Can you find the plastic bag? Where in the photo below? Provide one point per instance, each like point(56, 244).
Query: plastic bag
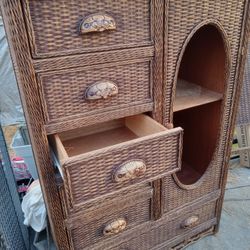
point(34, 208)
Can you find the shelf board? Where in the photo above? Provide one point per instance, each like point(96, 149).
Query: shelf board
point(190, 95)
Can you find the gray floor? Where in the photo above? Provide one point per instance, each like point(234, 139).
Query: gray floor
point(234, 231)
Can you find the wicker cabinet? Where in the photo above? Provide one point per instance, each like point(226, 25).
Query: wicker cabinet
point(131, 107)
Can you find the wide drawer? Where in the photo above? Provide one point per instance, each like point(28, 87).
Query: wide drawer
point(70, 27)
point(168, 232)
point(108, 220)
point(111, 156)
point(91, 91)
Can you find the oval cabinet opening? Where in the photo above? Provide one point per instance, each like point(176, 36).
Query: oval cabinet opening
point(198, 100)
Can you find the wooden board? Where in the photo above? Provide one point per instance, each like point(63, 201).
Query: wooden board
point(103, 139)
point(190, 95)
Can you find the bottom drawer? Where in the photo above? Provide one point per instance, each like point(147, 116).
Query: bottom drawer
point(168, 231)
point(109, 219)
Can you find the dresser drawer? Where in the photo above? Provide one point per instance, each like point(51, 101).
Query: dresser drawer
point(95, 90)
point(104, 158)
point(108, 220)
point(168, 232)
point(70, 27)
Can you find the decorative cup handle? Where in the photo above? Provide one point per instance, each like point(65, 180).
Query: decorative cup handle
point(129, 170)
point(101, 90)
point(97, 23)
point(190, 222)
point(115, 227)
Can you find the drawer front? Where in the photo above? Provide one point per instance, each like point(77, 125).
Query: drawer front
point(167, 232)
point(110, 219)
point(96, 89)
point(102, 171)
point(70, 27)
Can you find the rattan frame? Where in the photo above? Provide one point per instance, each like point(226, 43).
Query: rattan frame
point(25, 74)
point(26, 69)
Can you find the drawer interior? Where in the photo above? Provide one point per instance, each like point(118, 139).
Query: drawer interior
point(80, 141)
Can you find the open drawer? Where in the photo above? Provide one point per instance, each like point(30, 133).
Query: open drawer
point(107, 157)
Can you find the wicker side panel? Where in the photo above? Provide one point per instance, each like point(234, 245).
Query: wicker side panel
point(244, 108)
point(14, 23)
point(91, 176)
point(166, 231)
point(64, 91)
point(235, 103)
point(87, 228)
point(54, 25)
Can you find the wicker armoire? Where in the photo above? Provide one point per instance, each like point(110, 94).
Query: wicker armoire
point(131, 109)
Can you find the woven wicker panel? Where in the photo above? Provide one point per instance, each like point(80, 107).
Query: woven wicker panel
point(64, 92)
point(88, 227)
point(182, 18)
point(163, 231)
point(53, 25)
point(91, 176)
point(175, 196)
point(15, 29)
point(244, 109)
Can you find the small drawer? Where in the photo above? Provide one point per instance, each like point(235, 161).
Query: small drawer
point(108, 220)
point(76, 26)
point(91, 91)
point(107, 157)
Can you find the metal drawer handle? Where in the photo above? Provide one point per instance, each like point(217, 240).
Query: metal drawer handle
point(101, 90)
point(115, 227)
point(190, 222)
point(129, 170)
point(97, 23)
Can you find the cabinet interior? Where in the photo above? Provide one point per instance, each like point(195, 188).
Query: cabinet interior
point(198, 100)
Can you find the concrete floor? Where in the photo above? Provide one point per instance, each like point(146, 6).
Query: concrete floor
point(234, 231)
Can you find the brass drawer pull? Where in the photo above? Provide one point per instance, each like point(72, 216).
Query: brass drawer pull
point(101, 90)
point(97, 23)
point(115, 227)
point(190, 222)
point(130, 170)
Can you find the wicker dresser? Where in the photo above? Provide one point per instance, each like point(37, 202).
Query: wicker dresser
point(132, 104)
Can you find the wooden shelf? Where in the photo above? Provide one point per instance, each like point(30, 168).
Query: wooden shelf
point(190, 95)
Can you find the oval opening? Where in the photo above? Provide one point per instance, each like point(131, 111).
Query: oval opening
point(198, 101)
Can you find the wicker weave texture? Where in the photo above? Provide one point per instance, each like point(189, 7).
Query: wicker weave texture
point(16, 33)
point(152, 236)
point(88, 229)
point(244, 108)
point(182, 17)
point(91, 176)
point(175, 194)
point(64, 92)
point(53, 25)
